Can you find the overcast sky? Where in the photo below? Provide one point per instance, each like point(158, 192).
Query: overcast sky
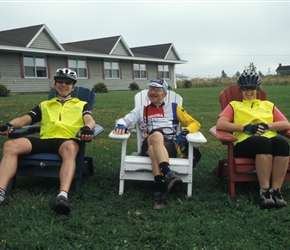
point(211, 35)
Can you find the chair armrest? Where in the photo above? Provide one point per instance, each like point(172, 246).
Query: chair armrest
point(196, 138)
point(285, 133)
point(222, 136)
point(98, 130)
point(25, 130)
point(119, 137)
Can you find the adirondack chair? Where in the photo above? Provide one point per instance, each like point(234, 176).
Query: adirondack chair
point(47, 164)
point(236, 169)
point(136, 167)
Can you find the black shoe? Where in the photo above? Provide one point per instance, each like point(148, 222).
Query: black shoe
point(159, 201)
point(266, 200)
point(61, 206)
point(173, 182)
point(3, 200)
point(277, 197)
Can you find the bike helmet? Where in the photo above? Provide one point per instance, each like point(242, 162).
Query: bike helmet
point(66, 73)
point(249, 79)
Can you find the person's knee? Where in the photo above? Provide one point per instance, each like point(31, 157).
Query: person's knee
point(12, 147)
point(69, 148)
point(156, 137)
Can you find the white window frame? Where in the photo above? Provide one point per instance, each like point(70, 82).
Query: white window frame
point(163, 71)
point(112, 70)
point(140, 71)
point(37, 67)
point(79, 66)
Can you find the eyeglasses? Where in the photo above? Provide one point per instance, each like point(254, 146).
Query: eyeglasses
point(155, 89)
point(247, 88)
point(65, 82)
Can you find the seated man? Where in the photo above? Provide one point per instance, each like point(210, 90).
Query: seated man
point(158, 122)
point(64, 121)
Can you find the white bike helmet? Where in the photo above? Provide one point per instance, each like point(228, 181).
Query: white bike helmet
point(66, 73)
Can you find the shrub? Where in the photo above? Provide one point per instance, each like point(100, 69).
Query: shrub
point(187, 84)
point(4, 91)
point(100, 87)
point(134, 86)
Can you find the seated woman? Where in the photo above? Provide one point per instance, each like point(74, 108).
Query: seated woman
point(255, 124)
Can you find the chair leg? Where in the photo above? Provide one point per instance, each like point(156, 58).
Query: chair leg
point(78, 184)
point(121, 187)
point(232, 188)
point(189, 190)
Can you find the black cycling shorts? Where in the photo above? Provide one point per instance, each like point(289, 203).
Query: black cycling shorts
point(47, 145)
point(276, 146)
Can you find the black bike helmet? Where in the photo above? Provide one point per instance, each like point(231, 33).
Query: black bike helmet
point(249, 79)
point(66, 73)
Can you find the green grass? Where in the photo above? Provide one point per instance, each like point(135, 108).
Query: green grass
point(101, 219)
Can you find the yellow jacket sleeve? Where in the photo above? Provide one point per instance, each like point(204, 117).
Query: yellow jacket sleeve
point(186, 120)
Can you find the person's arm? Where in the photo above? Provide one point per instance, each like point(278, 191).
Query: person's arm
point(15, 123)
point(89, 121)
point(280, 122)
point(224, 124)
point(127, 122)
point(86, 133)
point(187, 120)
point(225, 119)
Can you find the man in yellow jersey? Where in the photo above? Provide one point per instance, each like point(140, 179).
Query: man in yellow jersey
point(61, 119)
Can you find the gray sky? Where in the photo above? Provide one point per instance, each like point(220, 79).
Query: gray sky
point(211, 35)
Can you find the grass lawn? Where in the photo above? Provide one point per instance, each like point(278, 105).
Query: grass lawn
point(101, 219)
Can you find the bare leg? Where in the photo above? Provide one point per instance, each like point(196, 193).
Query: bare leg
point(68, 151)
point(280, 166)
point(8, 166)
point(157, 151)
point(264, 169)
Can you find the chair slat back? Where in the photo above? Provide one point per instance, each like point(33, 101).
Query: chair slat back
point(141, 99)
point(232, 93)
point(84, 94)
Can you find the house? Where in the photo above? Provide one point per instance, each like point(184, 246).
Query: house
point(29, 57)
point(283, 70)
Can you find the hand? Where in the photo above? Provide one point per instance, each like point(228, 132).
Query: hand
point(6, 129)
point(181, 138)
point(254, 129)
point(265, 127)
point(120, 129)
point(86, 133)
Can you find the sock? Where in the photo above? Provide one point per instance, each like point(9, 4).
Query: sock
point(159, 183)
point(164, 167)
point(2, 192)
point(63, 193)
point(264, 190)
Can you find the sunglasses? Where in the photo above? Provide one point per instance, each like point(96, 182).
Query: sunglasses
point(247, 88)
point(65, 82)
point(155, 89)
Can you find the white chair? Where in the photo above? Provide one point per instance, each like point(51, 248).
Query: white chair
point(136, 167)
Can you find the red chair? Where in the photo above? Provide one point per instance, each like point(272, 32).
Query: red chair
point(236, 169)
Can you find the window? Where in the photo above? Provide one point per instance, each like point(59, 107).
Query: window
point(140, 70)
point(163, 71)
point(79, 66)
point(112, 70)
point(34, 66)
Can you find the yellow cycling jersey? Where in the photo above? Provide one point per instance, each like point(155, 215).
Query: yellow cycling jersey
point(61, 121)
point(252, 112)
